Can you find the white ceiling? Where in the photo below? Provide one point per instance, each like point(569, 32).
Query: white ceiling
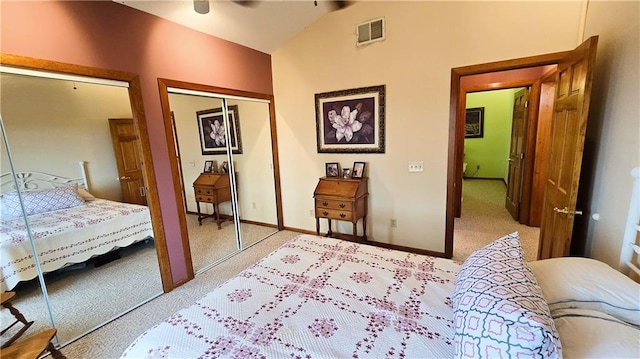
point(265, 26)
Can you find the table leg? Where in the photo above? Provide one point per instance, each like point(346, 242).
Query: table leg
point(199, 215)
point(364, 227)
point(355, 228)
point(318, 226)
point(216, 212)
point(329, 233)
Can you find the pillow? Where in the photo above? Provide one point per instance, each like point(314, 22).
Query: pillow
point(592, 334)
point(86, 196)
point(499, 309)
point(40, 201)
point(574, 282)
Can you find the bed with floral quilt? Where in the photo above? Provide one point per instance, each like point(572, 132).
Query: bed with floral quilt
point(68, 226)
point(318, 297)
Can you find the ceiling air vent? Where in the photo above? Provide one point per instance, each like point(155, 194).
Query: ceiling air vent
point(370, 31)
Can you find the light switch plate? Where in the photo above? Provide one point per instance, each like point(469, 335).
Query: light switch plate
point(416, 166)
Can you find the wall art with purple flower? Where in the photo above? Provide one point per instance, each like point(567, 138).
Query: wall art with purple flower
point(213, 139)
point(351, 120)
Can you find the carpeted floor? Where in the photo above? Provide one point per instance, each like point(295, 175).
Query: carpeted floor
point(484, 218)
point(124, 330)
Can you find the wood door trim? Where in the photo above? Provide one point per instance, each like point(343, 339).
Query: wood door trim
point(456, 129)
point(163, 85)
point(140, 122)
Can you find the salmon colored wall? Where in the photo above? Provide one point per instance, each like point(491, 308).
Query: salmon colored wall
point(108, 35)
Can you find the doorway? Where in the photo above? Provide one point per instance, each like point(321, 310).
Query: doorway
point(563, 145)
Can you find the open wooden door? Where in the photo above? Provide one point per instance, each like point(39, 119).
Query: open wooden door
point(568, 126)
point(516, 152)
point(126, 147)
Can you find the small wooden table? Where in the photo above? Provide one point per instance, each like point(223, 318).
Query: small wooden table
point(343, 199)
point(212, 188)
point(33, 346)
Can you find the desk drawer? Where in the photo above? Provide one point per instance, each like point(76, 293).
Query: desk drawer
point(334, 204)
point(208, 199)
point(203, 191)
point(334, 214)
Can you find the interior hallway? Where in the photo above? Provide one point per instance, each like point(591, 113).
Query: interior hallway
point(485, 218)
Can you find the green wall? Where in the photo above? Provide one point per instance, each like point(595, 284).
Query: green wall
point(491, 151)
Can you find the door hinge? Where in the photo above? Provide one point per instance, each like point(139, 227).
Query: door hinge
point(522, 156)
point(526, 104)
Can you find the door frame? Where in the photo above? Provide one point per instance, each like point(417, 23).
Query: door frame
point(457, 107)
point(163, 85)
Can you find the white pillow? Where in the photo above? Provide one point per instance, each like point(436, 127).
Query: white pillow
point(592, 334)
point(498, 308)
point(88, 197)
point(40, 201)
point(575, 282)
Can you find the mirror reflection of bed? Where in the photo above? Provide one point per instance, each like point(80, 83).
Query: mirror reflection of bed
point(61, 127)
point(252, 164)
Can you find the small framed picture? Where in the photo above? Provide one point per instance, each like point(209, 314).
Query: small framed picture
point(208, 167)
point(345, 172)
point(224, 167)
point(332, 169)
point(358, 170)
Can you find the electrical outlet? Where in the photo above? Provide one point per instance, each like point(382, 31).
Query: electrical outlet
point(416, 166)
point(394, 223)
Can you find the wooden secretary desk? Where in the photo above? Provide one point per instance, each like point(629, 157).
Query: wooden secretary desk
point(343, 199)
point(213, 188)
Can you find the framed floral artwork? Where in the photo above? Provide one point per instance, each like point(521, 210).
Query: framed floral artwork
point(351, 121)
point(213, 140)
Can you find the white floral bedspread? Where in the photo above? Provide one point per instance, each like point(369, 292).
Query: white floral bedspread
point(71, 235)
point(317, 297)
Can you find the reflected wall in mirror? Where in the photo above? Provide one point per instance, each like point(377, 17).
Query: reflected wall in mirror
point(253, 170)
point(98, 255)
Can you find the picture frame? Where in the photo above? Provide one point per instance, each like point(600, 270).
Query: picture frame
point(212, 132)
point(345, 172)
point(224, 167)
point(474, 123)
point(351, 121)
point(332, 169)
point(358, 170)
point(208, 166)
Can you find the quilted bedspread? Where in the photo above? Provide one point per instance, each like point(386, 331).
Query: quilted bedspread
point(71, 235)
point(317, 297)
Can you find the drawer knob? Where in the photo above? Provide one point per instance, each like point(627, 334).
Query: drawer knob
point(342, 205)
point(342, 215)
point(325, 203)
point(325, 213)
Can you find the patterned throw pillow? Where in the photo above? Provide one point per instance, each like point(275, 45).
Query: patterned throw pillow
point(499, 310)
point(40, 201)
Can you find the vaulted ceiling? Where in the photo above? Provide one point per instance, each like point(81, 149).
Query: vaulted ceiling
point(265, 26)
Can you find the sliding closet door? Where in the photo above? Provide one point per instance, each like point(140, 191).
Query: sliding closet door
point(254, 170)
point(93, 273)
point(15, 242)
point(204, 164)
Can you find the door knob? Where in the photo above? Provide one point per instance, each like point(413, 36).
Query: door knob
point(125, 178)
point(566, 210)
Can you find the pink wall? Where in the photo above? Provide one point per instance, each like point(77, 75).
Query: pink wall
point(108, 35)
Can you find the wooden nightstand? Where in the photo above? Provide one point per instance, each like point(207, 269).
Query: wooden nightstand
point(212, 188)
point(342, 199)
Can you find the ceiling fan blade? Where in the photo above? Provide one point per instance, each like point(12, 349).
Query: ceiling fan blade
point(339, 4)
point(247, 3)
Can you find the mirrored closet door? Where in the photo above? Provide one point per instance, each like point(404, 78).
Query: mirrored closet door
point(228, 185)
point(76, 155)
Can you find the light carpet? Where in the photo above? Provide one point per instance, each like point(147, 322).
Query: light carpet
point(484, 219)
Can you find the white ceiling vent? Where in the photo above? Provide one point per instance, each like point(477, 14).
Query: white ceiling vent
point(370, 31)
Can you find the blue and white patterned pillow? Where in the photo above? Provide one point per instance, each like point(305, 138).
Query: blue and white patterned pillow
point(499, 309)
point(40, 201)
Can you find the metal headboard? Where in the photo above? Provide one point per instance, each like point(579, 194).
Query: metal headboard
point(30, 181)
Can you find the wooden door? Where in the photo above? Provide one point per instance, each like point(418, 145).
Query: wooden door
point(126, 147)
point(568, 126)
point(516, 152)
